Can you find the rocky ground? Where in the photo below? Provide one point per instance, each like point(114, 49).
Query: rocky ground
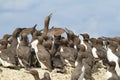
point(10, 74)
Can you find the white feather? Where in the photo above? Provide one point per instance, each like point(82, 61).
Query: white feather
point(75, 46)
point(94, 52)
point(81, 77)
point(5, 63)
point(42, 65)
point(82, 42)
point(117, 68)
point(108, 74)
point(76, 63)
point(34, 45)
point(18, 39)
point(112, 57)
point(68, 63)
point(83, 69)
point(20, 61)
point(61, 49)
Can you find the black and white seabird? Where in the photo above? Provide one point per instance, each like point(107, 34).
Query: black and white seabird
point(111, 55)
point(111, 73)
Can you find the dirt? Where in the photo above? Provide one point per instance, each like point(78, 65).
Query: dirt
point(10, 74)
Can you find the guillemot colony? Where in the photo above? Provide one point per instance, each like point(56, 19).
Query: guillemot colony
point(49, 49)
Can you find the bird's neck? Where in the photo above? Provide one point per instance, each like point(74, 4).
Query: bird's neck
point(36, 77)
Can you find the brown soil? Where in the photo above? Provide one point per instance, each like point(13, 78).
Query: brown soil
point(10, 74)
